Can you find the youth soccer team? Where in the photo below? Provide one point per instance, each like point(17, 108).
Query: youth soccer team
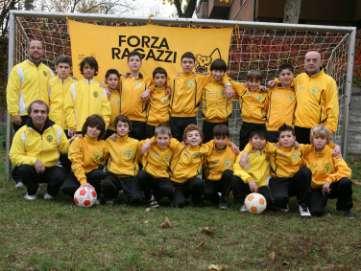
point(139, 142)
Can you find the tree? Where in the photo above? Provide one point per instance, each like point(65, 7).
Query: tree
point(185, 8)
point(292, 10)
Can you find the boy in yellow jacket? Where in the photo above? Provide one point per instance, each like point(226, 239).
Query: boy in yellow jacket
point(86, 97)
point(281, 102)
point(254, 176)
point(330, 174)
point(216, 106)
point(112, 79)
point(122, 165)
point(218, 165)
point(35, 152)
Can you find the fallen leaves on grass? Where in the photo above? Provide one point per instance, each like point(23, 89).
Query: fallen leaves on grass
point(272, 256)
point(166, 223)
point(207, 231)
point(216, 267)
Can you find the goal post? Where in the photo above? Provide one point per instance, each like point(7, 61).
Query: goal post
point(254, 45)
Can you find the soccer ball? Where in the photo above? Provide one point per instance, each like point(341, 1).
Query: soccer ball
point(85, 196)
point(255, 203)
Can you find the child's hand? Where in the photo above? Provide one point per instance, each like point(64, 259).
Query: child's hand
point(326, 188)
point(263, 88)
point(88, 185)
point(337, 151)
point(234, 148)
point(243, 161)
point(74, 136)
point(145, 95)
point(253, 186)
point(146, 146)
point(228, 91)
point(113, 137)
point(271, 83)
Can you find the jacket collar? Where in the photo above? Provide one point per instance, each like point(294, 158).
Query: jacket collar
point(48, 123)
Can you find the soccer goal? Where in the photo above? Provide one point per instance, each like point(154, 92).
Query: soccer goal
point(254, 45)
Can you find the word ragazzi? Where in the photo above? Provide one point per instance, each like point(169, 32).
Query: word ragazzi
point(149, 47)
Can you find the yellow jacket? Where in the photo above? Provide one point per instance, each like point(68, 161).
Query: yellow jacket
point(281, 107)
point(114, 100)
point(157, 161)
point(29, 145)
point(216, 107)
point(57, 92)
point(217, 161)
point(158, 107)
point(27, 82)
point(86, 97)
point(258, 171)
point(124, 154)
point(317, 101)
point(187, 161)
point(325, 167)
point(253, 104)
point(131, 104)
point(86, 154)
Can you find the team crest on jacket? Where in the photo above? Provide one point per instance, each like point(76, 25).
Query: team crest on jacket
point(128, 154)
point(49, 138)
point(45, 73)
point(95, 94)
point(190, 83)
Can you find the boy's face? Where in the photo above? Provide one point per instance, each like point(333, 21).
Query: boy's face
point(88, 72)
point(286, 139)
point(62, 70)
point(220, 142)
point(112, 81)
point(253, 84)
point(257, 142)
point(160, 79)
point(319, 142)
point(92, 132)
point(122, 128)
point(217, 75)
point(187, 64)
point(134, 63)
point(162, 140)
point(193, 138)
point(286, 77)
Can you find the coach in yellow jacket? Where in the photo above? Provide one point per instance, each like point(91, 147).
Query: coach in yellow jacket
point(28, 81)
point(35, 152)
point(317, 98)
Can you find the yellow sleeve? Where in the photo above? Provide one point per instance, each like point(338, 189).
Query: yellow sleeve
point(206, 148)
point(69, 108)
point(174, 144)
point(106, 109)
point(76, 156)
point(64, 143)
point(331, 106)
point(241, 172)
point(12, 93)
point(202, 80)
point(239, 88)
point(17, 153)
point(342, 170)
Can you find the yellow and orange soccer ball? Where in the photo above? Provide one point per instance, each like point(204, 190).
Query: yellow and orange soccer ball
point(255, 203)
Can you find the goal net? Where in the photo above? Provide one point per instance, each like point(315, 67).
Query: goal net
point(261, 46)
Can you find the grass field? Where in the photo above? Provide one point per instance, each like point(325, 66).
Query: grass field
point(56, 235)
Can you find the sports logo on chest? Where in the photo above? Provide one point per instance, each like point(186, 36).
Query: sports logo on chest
point(190, 84)
point(295, 157)
point(314, 91)
point(49, 138)
point(128, 154)
point(98, 157)
point(138, 86)
point(95, 94)
point(227, 163)
point(328, 168)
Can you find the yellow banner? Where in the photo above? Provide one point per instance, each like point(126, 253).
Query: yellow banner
point(160, 45)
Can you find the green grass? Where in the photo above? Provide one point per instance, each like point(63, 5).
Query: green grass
point(56, 235)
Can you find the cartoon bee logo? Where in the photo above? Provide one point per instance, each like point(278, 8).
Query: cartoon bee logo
point(203, 62)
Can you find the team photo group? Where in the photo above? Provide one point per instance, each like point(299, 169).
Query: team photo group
point(134, 139)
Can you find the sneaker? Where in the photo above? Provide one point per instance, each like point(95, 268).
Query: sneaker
point(223, 205)
point(153, 204)
point(243, 209)
point(304, 212)
point(19, 185)
point(285, 210)
point(348, 214)
point(47, 196)
point(30, 197)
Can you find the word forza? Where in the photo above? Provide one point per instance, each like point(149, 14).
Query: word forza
point(149, 47)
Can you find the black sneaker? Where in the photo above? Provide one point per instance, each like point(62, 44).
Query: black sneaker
point(348, 214)
point(223, 205)
point(153, 204)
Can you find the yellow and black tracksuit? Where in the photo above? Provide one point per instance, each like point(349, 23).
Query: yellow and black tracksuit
point(328, 168)
point(86, 97)
point(114, 100)
point(57, 92)
point(30, 145)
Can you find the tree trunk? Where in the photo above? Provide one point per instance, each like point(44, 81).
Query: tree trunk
point(292, 10)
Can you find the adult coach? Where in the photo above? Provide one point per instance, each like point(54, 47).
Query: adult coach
point(35, 152)
point(317, 98)
point(28, 81)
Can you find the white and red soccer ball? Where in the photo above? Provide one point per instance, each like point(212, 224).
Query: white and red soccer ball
point(85, 196)
point(255, 203)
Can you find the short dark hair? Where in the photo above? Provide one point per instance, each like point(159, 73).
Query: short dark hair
point(159, 70)
point(286, 66)
point(220, 131)
point(189, 128)
point(63, 59)
point(219, 65)
point(91, 61)
point(38, 102)
point(122, 118)
point(286, 128)
point(94, 121)
point(134, 53)
point(162, 129)
point(188, 55)
point(254, 74)
point(261, 133)
point(112, 71)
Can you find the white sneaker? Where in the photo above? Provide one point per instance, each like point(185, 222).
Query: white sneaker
point(30, 197)
point(243, 209)
point(19, 185)
point(47, 196)
point(304, 212)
